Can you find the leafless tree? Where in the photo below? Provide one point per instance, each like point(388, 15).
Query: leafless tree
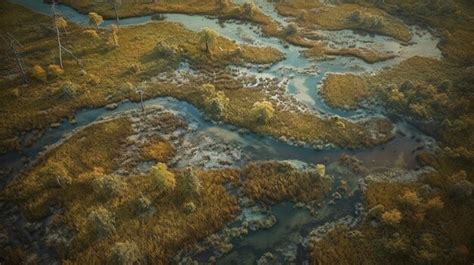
point(60, 22)
point(116, 5)
point(14, 45)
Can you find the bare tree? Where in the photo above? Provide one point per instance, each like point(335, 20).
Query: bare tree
point(60, 22)
point(14, 44)
point(116, 5)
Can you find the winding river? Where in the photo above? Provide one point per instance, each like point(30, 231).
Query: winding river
point(304, 77)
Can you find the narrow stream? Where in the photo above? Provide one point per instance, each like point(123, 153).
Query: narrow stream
point(304, 77)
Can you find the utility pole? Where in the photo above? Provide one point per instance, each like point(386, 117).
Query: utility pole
point(13, 46)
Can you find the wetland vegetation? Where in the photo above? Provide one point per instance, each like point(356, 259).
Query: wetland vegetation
point(236, 132)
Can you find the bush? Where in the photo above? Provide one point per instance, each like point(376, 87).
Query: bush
point(55, 70)
point(445, 85)
point(101, 222)
point(321, 170)
point(39, 73)
point(216, 105)
point(354, 17)
point(92, 33)
point(190, 184)
point(125, 253)
point(108, 186)
point(189, 207)
point(95, 19)
point(392, 217)
point(376, 212)
point(262, 111)
point(461, 190)
point(410, 199)
point(162, 178)
point(291, 29)
point(143, 206)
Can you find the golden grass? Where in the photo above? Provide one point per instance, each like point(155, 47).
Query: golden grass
point(274, 181)
point(91, 154)
point(315, 14)
point(344, 91)
point(108, 69)
point(426, 233)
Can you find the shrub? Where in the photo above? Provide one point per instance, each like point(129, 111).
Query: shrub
point(435, 203)
point(461, 190)
point(376, 212)
point(61, 23)
point(39, 73)
point(392, 217)
point(92, 33)
point(249, 9)
point(55, 70)
point(126, 253)
point(189, 207)
point(143, 206)
point(291, 29)
point(262, 111)
point(216, 105)
point(410, 199)
point(95, 19)
point(101, 222)
point(190, 184)
point(445, 85)
point(108, 186)
point(208, 90)
point(162, 178)
point(207, 39)
point(321, 170)
point(354, 17)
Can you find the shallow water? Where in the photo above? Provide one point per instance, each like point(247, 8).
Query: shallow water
point(304, 78)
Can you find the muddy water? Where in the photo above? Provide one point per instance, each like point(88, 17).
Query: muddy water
point(304, 77)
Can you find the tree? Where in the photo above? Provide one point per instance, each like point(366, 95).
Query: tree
point(14, 45)
point(207, 37)
point(95, 20)
point(217, 104)
point(162, 178)
point(262, 111)
point(116, 5)
point(60, 22)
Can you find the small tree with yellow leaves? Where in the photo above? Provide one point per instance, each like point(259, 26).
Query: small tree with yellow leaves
point(162, 178)
point(262, 111)
point(95, 20)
